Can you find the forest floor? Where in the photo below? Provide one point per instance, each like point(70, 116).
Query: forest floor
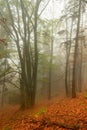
point(63, 114)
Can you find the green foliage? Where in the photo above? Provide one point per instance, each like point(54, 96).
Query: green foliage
point(43, 110)
point(4, 53)
point(44, 79)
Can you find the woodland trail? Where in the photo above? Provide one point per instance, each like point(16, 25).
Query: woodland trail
point(66, 114)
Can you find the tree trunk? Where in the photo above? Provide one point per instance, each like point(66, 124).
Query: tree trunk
point(66, 77)
point(80, 73)
point(76, 55)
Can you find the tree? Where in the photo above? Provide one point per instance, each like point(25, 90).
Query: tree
point(73, 43)
point(23, 30)
point(76, 53)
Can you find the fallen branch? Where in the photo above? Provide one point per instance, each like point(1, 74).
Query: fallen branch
point(49, 123)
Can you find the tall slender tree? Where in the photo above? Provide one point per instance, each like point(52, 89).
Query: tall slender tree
point(74, 86)
point(23, 30)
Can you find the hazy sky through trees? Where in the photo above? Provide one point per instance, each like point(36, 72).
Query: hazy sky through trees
point(55, 6)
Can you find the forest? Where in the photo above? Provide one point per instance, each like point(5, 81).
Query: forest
point(43, 61)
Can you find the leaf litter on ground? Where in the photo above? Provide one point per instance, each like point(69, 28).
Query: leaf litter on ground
point(66, 114)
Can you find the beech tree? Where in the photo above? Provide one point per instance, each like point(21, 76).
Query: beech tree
point(22, 27)
point(73, 41)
